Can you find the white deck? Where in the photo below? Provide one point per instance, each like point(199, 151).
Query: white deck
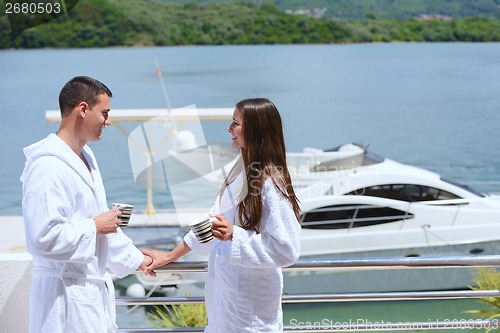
point(137, 115)
point(12, 237)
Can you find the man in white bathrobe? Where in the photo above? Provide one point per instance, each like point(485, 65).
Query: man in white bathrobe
point(73, 236)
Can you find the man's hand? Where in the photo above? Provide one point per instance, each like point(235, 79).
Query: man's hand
point(107, 222)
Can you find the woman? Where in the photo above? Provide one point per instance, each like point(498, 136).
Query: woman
point(257, 229)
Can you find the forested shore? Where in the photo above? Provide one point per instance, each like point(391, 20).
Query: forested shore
point(104, 23)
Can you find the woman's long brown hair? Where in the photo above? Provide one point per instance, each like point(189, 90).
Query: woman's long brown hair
point(264, 156)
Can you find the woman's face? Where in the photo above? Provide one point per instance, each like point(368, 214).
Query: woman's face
point(236, 129)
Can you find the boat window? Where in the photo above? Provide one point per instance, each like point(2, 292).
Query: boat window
point(405, 192)
point(351, 216)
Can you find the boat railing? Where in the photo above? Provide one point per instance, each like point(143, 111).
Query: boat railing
point(347, 263)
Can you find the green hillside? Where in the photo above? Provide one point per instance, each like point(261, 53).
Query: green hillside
point(390, 9)
point(399, 9)
point(101, 23)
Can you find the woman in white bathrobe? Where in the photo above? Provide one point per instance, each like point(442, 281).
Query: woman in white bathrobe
point(257, 230)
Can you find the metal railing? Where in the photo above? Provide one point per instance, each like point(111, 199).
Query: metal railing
point(329, 264)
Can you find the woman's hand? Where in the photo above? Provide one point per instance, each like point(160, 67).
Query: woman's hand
point(160, 259)
point(221, 228)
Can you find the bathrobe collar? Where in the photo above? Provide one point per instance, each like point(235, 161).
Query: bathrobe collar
point(54, 146)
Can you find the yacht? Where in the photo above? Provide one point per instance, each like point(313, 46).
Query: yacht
point(356, 204)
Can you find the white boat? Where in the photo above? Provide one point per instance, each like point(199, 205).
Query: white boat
point(363, 205)
point(357, 204)
point(379, 205)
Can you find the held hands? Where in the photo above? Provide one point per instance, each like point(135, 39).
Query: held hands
point(164, 258)
point(158, 259)
point(145, 263)
point(222, 229)
point(107, 223)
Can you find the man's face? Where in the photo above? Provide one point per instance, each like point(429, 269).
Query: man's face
point(96, 118)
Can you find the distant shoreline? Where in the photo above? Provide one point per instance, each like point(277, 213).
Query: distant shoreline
point(229, 45)
point(125, 23)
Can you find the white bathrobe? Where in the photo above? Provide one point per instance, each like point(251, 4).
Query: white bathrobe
point(71, 291)
point(244, 281)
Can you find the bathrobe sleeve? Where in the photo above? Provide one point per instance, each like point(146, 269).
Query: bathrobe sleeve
point(278, 243)
point(199, 248)
point(49, 231)
point(123, 256)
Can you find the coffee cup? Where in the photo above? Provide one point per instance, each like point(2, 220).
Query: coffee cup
point(202, 229)
point(126, 211)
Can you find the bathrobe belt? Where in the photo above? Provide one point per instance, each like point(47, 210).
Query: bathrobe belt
point(67, 275)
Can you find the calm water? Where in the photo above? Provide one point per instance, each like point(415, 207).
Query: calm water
point(430, 105)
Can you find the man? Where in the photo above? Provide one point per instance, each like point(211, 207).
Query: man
point(73, 236)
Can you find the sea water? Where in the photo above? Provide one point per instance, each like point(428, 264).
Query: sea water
point(430, 105)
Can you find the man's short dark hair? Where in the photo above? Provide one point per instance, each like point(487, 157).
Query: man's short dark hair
point(81, 89)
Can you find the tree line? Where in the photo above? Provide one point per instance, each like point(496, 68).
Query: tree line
point(104, 23)
point(394, 9)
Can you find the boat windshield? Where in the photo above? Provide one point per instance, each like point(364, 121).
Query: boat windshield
point(350, 162)
point(464, 187)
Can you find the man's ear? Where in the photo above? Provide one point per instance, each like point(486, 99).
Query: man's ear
point(83, 107)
